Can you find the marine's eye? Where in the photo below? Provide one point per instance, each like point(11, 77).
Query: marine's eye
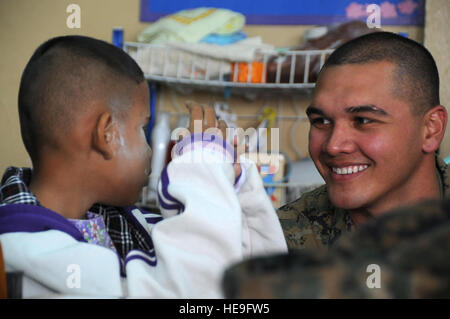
point(319, 121)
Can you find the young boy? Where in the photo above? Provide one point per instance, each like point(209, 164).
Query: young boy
point(68, 224)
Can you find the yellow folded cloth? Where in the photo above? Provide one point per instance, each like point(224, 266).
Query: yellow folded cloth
point(190, 26)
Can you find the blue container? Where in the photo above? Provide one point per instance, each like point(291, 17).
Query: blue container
point(117, 37)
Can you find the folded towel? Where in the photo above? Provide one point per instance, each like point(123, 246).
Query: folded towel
point(190, 26)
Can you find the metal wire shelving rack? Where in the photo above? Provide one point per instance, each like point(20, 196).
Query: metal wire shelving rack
point(175, 67)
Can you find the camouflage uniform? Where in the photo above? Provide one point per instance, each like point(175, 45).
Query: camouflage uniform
point(313, 222)
point(410, 245)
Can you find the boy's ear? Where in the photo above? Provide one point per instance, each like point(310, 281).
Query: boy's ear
point(435, 122)
point(104, 135)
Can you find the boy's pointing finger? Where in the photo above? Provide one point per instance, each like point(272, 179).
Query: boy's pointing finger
point(196, 114)
point(210, 117)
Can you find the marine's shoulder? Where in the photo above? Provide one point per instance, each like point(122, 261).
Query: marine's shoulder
point(306, 221)
point(309, 204)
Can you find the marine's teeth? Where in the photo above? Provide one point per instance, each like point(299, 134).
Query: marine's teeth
point(349, 169)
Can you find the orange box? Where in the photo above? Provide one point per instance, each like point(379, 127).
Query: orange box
point(256, 75)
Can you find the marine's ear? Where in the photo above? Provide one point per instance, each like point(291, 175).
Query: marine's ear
point(435, 122)
point(104, 135)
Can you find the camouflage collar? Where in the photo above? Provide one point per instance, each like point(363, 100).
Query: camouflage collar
point(444, 181)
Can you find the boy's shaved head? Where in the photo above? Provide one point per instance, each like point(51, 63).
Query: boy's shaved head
point(66, 76)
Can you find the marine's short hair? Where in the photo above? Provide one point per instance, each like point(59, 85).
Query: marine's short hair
point(64, 77)
point(416, 75)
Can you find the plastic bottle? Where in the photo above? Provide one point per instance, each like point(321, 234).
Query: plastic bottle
point(117, 37)
point(160, 143)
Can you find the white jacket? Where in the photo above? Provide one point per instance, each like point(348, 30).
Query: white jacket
point(207, 226)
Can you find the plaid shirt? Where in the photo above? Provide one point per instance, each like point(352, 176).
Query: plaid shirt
point(123, 230)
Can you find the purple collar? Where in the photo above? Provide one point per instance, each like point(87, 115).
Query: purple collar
point(31, 218)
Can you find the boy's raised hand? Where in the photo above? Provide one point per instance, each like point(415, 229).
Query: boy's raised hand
point(206, 116)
